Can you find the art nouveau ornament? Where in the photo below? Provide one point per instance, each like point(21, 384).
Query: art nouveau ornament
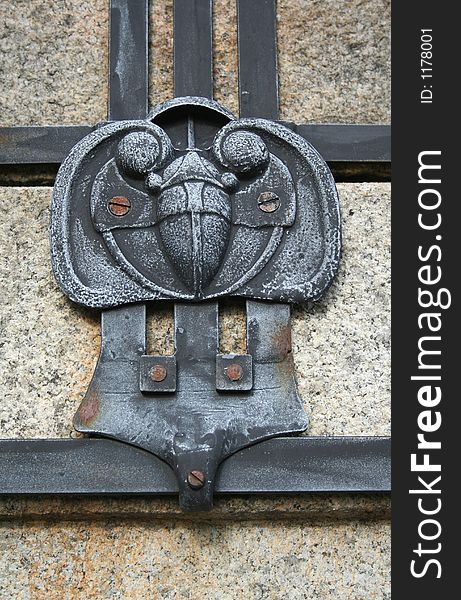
point(191, 205)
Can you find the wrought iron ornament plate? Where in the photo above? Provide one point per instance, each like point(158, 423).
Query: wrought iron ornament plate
point(192, 204)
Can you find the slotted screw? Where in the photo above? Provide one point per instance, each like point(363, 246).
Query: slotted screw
point(119, 206)
point(196, 479)
point(234, 372)
point(268, 202)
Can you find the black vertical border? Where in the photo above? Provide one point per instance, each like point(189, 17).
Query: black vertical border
point(418, 127)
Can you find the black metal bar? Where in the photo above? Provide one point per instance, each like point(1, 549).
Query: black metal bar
point(128, 59)
point(39, 145)
point(257, 58)
point(281, 465)
point(336, 143)
point(349, 143)
point(193, 53)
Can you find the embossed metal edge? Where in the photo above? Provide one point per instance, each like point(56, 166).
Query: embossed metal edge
point(188, 101)
point(60, 259)
point(326, 186)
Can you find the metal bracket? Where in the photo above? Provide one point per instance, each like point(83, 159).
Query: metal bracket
point(192, 204)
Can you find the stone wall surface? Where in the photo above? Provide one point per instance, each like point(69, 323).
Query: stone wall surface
point(272, 560)
point(334, 66)
point(334, 59)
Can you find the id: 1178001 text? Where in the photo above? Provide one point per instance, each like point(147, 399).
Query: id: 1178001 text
point(426, 65)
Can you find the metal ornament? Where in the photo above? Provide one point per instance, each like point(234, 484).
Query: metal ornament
point(192, 204)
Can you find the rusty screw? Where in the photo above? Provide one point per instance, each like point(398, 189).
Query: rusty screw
point(234, 372)
point(119, 206)
point(268, 202)
point(196, 479)
point(158, 373)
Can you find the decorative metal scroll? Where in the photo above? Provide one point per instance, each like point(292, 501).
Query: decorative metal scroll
point(192, 204)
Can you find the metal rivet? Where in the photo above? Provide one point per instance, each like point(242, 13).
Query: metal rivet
point(158, 373)
point(119, 206)
point(234, 372)
point(196, 479)
point(268, 202)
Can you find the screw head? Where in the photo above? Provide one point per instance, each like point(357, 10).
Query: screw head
point(158, 373)
point(119, 206)
point(268, 202)
point(234, 372)
point(196, 479)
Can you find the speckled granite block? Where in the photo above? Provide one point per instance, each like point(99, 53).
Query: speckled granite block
point(333, 59)
point(50, 347)
point(225, 60)
point(160, 51)
point(342, 344)
point(53, 61)
point(254, 561)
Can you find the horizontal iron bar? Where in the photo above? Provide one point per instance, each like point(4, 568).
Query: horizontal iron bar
point(280, 465)
point(39, 145)
point(349, 143)
point(336, 143)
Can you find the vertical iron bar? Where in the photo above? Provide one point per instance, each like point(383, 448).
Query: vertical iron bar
point(123, 342)
point(193, 53)
point(257, 58)
point(128, 59)
point(128, 99)
point(193, 76)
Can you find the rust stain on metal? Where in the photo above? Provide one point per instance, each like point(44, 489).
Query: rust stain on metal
point(89, 408)
point(5, 138)
point(282, 339)
point(158, 373)
point(119, 206)
point(234, 372)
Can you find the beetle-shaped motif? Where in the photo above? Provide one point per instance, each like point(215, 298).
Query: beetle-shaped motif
point(193, 204)
point(194, 212)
